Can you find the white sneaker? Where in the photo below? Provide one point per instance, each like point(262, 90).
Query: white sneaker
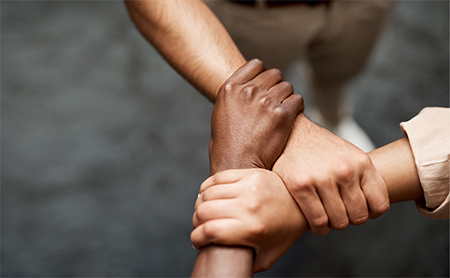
point(347, 128)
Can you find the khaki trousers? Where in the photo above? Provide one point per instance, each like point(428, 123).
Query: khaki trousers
point(336, 40)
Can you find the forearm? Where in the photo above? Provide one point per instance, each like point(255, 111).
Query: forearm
point(191, 38)
point(396, 164)
point(221, 261)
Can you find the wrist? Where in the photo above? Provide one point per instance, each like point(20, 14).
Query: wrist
point(219, 166)
point(303, 129)
point(224, 261)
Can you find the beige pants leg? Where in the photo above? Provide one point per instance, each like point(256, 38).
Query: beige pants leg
point(337, 39)
point(277, 36)
point(342, 50)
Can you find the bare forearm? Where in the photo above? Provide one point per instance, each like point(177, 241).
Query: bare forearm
point(395, 162)
point(221, 261)
point(191, 38)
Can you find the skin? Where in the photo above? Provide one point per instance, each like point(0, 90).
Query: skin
point(190, 37)
point(396, 164)
point(334, 182)
point(252, 207)
point(248, 207)
point(194, 42)
point(267, 108)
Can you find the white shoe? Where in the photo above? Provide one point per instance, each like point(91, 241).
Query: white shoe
point(347, 128)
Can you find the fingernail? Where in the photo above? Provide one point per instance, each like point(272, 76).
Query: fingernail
point(193, 247)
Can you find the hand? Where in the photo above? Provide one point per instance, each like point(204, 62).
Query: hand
point(252, 118)
point(250, 208)
point(333, 181)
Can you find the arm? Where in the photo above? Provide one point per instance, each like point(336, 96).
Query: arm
point(191, 38)
point(264, 211)
point(273, 107)
point(334, 182)
point(395, 162)
point(195, 43)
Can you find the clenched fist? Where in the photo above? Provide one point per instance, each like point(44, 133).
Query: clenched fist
point(249, 207)
point(333, 182)
point(252, 118)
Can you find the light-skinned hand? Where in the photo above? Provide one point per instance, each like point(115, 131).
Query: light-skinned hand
point(251, 208)
point(334, 182)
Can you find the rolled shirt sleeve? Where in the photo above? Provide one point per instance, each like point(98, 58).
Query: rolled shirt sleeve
point(429, 136)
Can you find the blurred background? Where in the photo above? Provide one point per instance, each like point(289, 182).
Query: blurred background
point(104, 147)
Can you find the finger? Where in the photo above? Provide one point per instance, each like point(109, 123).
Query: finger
point(294, 104)
point(224, 177)
point(334, 207)
point(247, 72)
point(221, 191)
point(281, 91)
point(312, 207)
point(269, 78)
point(355, 202)
point(198, 201)
point(375, 191)
point(216, 209)
point(220, 231)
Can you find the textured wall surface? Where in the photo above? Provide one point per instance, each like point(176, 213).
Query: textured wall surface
point(104, 146)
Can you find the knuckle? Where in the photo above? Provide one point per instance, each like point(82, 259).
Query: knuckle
point(302, 184)
point(253, 205)
point(201, 211)
point(384, 207)
point(265, 101)
point(280, 113)
point(205, 195)
point(322, 232)
point(204, 186)
point(299, 101)
point(257, 62)
point(341, 225)
point(320, 222)
point(257, 175)
point(249, 91)
point(288, 86)
point(194, 221)
point(218, 177)
point(380, 209)
point(228, 88)
point(276, 71)
point(360, 220)
point(363, 160)
point(345, 172)
point(210, 230)
point(194, 239)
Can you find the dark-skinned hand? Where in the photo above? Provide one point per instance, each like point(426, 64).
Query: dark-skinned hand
point(252, 118)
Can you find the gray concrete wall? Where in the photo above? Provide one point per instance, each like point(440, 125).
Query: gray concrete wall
point(104, 147)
